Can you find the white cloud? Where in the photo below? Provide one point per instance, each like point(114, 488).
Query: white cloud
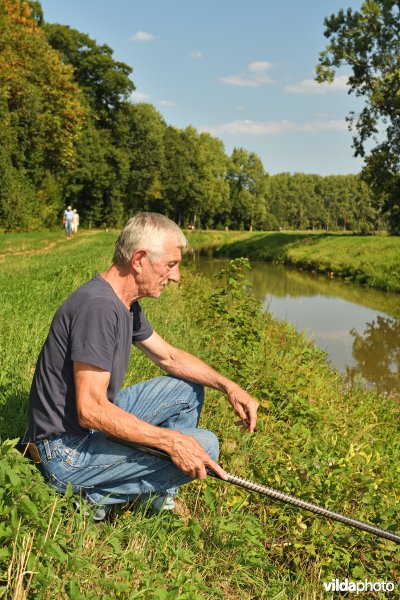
point(247, 127)
point(142, 36)
point(256, 78)
point(166, 103)
point(259, 66)
point(139, 97)
point(310, 86)
point(196, 55)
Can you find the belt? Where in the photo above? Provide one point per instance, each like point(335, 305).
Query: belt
point(33, 452)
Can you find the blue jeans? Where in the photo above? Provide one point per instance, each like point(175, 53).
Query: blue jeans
point(68, 228)
point(107, 472)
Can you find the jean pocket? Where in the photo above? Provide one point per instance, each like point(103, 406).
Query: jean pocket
point(69, 447)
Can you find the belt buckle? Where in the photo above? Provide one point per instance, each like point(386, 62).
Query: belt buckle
point(34, 453)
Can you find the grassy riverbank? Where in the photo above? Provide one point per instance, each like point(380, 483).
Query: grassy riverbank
point(373, 261)
point(315, 439)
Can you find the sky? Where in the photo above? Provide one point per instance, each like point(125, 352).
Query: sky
point(240, 70)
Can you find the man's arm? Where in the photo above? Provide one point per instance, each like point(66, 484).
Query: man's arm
point(95, 411)
point(186, 366)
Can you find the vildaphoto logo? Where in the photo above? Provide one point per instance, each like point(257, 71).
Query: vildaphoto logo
point(336, 585)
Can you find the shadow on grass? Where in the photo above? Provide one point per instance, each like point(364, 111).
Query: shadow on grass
point(271, 246)
point(14, 411)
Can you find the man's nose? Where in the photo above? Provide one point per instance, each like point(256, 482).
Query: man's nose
point(175, 274)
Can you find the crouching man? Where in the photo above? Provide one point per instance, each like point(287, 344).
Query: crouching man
point(76, 404)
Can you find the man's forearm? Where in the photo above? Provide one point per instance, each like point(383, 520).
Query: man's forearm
point(189, 367)
point(185, 365)
point(102, 415)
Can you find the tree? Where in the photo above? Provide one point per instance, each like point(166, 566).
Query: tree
point(99, 183)
point(248, 185)
point(214, 202)
point(104, 81)
point(368, 42)
point(177, 175)
point(145, 150)
point(40, 120)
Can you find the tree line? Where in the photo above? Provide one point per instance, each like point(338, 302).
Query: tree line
point(70, 135)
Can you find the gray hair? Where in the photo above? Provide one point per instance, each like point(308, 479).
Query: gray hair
point(147, 231)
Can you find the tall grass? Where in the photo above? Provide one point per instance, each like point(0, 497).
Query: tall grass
point(315, 439)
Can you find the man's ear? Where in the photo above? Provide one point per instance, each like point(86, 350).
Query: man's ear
point(137, 260)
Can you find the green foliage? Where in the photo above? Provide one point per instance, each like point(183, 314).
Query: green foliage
point(104, 81)
point(367, 40)
point(247, 181)
point(194, 178)
point(30, 518)
point(335, 202)
point(238, 315)
point(40, 120)
point(145, 149)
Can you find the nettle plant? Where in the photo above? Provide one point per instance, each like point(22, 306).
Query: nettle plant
point(236, 314)
point(31, 543)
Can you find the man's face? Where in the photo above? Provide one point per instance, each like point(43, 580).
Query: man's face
point(157, 274)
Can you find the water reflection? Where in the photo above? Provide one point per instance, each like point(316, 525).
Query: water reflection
point(377, 352)
point(358, 327)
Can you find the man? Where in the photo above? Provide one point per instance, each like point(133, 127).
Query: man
point(67, 220)
point(75, 402)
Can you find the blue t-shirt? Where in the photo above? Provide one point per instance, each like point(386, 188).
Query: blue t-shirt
point(68, 214)
point(92, 326)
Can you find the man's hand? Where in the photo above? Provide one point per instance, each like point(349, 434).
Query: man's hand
point(245, 406)
point(191, 458)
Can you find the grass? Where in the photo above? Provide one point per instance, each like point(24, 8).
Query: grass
point(373, 261)
point(316, 439)
point(34, 241)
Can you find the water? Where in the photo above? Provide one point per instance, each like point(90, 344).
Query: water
point(358, 327)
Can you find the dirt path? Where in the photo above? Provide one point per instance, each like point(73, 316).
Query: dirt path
point(48, 247)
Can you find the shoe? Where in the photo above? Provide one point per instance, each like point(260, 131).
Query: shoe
point(99, 512)
point(155, 504)
point(163, 503)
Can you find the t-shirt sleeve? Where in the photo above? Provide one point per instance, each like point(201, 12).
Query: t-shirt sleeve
point(93, 334)
point(141, 327)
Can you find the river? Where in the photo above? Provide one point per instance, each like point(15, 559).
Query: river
point(358, 327)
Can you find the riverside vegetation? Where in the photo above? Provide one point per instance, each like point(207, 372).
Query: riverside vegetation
point(316, 439)
point(374, 261)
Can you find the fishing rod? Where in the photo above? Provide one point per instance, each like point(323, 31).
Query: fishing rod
point(276, 495)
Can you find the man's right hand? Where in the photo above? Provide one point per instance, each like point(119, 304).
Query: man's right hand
point(191, 458)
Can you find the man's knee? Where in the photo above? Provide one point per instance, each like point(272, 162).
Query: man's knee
point(189, 388)
point(209, 441)
point(199, 391)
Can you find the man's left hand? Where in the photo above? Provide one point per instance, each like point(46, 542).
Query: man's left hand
point(246, 407)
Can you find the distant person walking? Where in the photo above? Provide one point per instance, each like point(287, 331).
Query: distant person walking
point(75, 222)
point(67, 220)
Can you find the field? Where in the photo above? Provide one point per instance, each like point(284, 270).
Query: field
point(316, 439)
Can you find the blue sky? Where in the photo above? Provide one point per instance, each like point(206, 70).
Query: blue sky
point(241, 70)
